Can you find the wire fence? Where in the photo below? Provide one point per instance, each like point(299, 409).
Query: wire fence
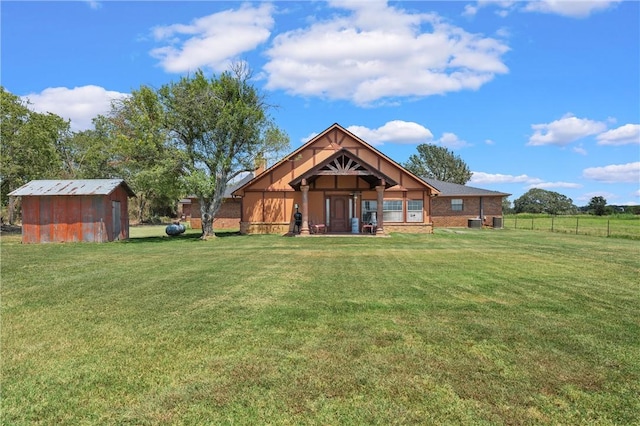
point(627, 226)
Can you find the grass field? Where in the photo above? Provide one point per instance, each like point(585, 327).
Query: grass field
point(615, 226)
point(459, 327)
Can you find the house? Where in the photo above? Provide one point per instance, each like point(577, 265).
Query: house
point(228, 216)
point(457, 204)
point(94, 210)
point(340, 183)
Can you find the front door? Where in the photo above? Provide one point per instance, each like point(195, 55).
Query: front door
point(340, 214)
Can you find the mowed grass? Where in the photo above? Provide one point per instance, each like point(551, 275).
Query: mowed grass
point(615, 226)
point(459, 327)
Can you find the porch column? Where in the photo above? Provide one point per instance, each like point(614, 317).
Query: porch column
point(379, 213)
point(305, 208)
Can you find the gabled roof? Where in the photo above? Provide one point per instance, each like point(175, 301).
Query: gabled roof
point(228, 193)
point(453, 189)
point(71, 187)
point(344, 162)
point(293, 155)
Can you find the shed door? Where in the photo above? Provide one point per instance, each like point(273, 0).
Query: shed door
point(115, 214)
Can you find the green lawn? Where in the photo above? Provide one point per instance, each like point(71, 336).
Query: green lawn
point(616, 226)
point(459, 327)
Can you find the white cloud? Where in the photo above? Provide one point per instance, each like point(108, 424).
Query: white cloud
point(308, 138)
point(623, 135)
point(580, 150)
point(569, 8)
point(94, 4)
point(451, 140)
point(470, 10)
point(564, 131)
point(589, 195)
point(80, 104)
point(489, 178)
point(614, 173)
point(377, 52)
point(396, 131)
point(213, 41)
point(547, 185)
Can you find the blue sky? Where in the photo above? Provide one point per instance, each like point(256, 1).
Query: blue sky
point(539, 94)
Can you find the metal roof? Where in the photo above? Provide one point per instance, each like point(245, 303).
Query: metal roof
point(454, 189)
point(71, 187)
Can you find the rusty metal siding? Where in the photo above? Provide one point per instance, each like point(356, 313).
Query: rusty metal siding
point(73, 218)
point(71, 187)
point(65, 215)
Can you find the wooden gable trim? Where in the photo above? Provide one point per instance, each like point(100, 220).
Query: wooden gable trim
point(344, 163)
point(331, 134)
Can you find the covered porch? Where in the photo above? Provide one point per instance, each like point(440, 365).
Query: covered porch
point(341, 195)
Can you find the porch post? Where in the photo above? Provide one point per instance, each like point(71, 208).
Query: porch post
point(379, 213)
point(305, 208)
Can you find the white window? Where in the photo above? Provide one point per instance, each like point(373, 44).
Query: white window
point(414, 211)
point(369, 211)
point(392, 210)
point(457, 204)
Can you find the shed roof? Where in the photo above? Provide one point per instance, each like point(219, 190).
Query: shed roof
point(71, 187)
point(454, 189)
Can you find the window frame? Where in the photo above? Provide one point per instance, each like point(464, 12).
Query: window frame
point(363, 212)
point(457, 207)
point(415, 211)
point(385, 212)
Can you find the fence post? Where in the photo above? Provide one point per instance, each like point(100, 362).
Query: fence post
point(516, 225)
point(577, 218)
point(532, 224)
point(552, 217)
point(608, 228)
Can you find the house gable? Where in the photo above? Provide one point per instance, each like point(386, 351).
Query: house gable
point(344, 163)
point(321, 152)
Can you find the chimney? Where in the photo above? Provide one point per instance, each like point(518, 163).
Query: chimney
point(261, 165)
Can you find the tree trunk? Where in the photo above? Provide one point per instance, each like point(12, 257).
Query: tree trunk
point(210, 204)
point(207, 227)
point(141, 206)
point(11, 210)
point(208, 210)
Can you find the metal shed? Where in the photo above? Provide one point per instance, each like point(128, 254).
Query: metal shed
point(92, 210)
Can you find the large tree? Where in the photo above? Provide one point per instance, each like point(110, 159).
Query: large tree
point(142, 151)
point(440, 163)
point(538, 200)
point(597, 205)
point(33, 145)
point(223, 125)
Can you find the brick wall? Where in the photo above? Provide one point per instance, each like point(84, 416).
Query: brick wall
point(409, 228)
point(265, 228)
point(443, 217)
point(228, 216)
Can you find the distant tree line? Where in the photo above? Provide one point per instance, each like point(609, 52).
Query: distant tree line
point(538, 200)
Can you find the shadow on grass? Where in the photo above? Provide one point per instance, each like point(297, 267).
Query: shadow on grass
point(184, 237)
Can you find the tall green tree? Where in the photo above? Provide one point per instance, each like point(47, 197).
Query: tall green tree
point(143, 152)
point(506, 206)
point(33, 145)
point(597, 205)
point(92, 151)
point(538, 200)
point(223, 126)
point(437, 162)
